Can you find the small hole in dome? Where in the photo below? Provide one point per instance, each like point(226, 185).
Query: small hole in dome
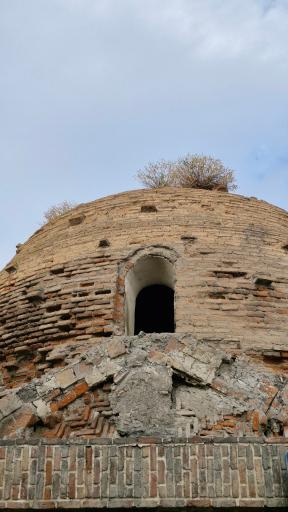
point(64, 328)
point(57, 270)
point(188, 239)
point(263, 282)
point(11, 269)
point(65, 316)
point(285, 248)
point(102, 292)
point(104, 243)
point(74, 221)
point(53, 307)
point(148, 208)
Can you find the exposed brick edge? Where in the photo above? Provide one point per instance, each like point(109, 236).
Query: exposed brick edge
point(146, 440)
point(203, 504)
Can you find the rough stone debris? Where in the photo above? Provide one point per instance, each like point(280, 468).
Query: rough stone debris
point(154, 385)
point(75, 388)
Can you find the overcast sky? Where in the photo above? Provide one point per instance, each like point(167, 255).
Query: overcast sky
point(92, 90)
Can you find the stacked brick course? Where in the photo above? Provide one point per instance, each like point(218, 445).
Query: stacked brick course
point(144, 473)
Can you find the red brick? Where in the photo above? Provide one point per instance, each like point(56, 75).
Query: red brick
point(61, 430)
point(25, 420)
point(153, 458)
point(88, 458)
point(54, 406)
point(161, 471)
point(67, 399)
point(153, 485)
point(48, 469)
point(54, 394)
point(72, 458)
point(47, 493)
point(80, 389)
point(255, 421)
point(49, 451)
point(72, 486)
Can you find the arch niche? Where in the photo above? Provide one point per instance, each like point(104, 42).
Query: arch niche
point(149, 295)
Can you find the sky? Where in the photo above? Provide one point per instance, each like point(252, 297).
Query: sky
point(93, 90)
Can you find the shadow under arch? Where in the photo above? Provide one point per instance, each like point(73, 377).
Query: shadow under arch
point(150, 270)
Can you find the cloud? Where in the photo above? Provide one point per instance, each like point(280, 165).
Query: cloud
point(222, 28)
point(91, 90)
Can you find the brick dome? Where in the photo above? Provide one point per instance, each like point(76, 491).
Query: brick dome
point(143, 356)
point(228, 255)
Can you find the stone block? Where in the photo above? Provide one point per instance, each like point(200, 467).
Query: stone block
point(9, 404)
point(42, 408)
point(65, 378)
point(116, 348)
point(95, 378)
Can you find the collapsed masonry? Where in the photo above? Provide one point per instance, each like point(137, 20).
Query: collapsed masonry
point(157, 384)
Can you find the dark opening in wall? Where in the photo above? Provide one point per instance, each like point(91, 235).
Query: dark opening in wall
point(10, 269)
point(57, 270)
point(233, 274)
point(53, 307)
point(263, 282)
point(148, 208)
point(149, 270)
point(104, 243)
point(188, 239)
point(74, 221)
point(154, 310)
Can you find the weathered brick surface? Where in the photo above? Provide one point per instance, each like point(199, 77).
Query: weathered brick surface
point(66, 287)
point(69, 375)
point(230, 261)
point(206, 473)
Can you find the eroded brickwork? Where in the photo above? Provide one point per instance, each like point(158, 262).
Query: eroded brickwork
point(157, 384)
point(74, 388)
point(143, 473)
point(231, 270)
point(47, 310)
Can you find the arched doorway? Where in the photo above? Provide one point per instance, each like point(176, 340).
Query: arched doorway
point(154, 310)
point(150, 281)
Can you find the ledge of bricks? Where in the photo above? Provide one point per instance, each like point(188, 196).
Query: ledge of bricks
point(144, 472)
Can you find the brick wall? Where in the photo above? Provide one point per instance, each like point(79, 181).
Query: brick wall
point(64, 284)
point(143, 473)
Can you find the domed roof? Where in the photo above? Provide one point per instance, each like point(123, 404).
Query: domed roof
point(166, 213)
point(74, 288)
point(229, 254)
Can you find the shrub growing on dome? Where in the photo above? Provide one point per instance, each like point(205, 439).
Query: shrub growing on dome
point(157, 175)
point(190, 171)
point(57, 210)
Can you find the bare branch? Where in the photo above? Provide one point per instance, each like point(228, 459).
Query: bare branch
point(191, 171)
point(57, 210)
